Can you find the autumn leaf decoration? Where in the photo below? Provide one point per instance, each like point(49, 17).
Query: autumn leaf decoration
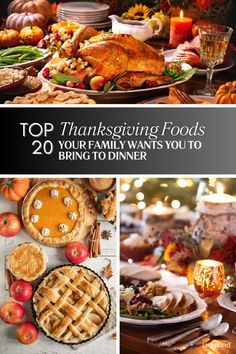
point(107, 270)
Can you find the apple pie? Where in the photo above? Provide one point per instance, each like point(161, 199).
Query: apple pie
point(54, 212)
point(27, 261)
point(71, 304)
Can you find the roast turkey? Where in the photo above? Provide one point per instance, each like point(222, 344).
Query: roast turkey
point(109, 55)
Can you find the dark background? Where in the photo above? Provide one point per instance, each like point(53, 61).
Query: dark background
point(217, 155)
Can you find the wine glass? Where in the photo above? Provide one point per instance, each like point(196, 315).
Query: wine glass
point(214, 41)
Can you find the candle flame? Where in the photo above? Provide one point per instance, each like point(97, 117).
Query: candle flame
point(220, 188)
point(159, 206)
point(181, 14)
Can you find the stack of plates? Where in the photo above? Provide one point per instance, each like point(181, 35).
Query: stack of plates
point(88, 13)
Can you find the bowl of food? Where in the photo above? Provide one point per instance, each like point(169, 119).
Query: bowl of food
point(11, 77)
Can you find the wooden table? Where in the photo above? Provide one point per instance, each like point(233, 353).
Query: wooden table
point(133, 339)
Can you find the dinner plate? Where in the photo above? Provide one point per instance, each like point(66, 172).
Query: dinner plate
point(94, 24)
point(201, 308)
point(168, 55)
point(83, 14)
point(164, 100)
point(86, 22)
point(46, 55)
point(225, 302)
point(128, 96)
point(84, 6)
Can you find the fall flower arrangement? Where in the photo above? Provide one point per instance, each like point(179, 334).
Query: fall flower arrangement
point(163, 9)
point(181, 251)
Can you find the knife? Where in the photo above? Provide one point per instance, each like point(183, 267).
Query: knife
point(169, 333)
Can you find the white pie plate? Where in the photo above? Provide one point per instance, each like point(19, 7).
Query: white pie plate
point(201, 308)
point(225, 302)
point(168, 55)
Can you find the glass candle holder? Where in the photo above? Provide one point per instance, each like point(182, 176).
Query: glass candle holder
point(208, 278)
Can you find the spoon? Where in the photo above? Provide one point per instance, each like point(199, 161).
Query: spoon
point(215, 332)
point(206, 325)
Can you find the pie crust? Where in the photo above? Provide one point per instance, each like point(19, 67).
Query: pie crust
point(27, 261)
point(54, 225)
point(101, 184)
point(71, 304)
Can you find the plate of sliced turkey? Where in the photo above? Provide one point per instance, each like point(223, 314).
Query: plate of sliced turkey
point(171, 306)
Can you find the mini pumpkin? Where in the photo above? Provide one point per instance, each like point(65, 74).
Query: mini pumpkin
point(14, 189)
point(18, 21)
point(226, 94)
point(42, 7)
point(31, 35)
point(9, 38)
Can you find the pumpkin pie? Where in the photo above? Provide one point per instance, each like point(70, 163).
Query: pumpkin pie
point(101, 184)
point(71, 304)
point(54, 212)
point(27, 261)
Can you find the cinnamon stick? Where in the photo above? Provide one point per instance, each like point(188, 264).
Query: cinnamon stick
point(94, 242)
point(10, 279)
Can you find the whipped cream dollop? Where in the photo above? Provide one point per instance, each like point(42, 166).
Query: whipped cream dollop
point(73, 215)
point(54, 193)
point(67, 201)
point(63, 228)
point(34, 219)
point(45, 231)
point(37, 204)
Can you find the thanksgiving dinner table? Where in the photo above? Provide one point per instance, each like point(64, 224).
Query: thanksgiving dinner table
point(177, 274)
point(87, 52)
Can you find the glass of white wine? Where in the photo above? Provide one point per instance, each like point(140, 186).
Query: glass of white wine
point(214, 41)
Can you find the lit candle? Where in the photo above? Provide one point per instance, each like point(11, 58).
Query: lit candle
point(180, 29)
point(217, 203)
point(157, 219)
point(208, 278)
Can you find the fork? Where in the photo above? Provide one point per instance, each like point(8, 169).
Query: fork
point(183, 96)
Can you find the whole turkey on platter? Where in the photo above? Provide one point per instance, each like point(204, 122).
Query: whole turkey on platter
point(90, 53)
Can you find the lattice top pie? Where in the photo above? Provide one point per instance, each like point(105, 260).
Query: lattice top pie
point(71, 304)
point(53, 212)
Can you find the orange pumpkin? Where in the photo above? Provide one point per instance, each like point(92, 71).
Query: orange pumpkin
point(31, 35)
point(9, 38)
point(226, 93)
point(14, 189)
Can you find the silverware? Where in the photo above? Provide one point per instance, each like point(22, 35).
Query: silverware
point(183, 96)
point(163, 335)
point(206, 325)
point(215, 332)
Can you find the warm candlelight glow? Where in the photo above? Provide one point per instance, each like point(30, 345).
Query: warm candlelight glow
point(219, 188)
point(159, 209)
point(208, 277)
point(180, 29)
point(219, 198)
